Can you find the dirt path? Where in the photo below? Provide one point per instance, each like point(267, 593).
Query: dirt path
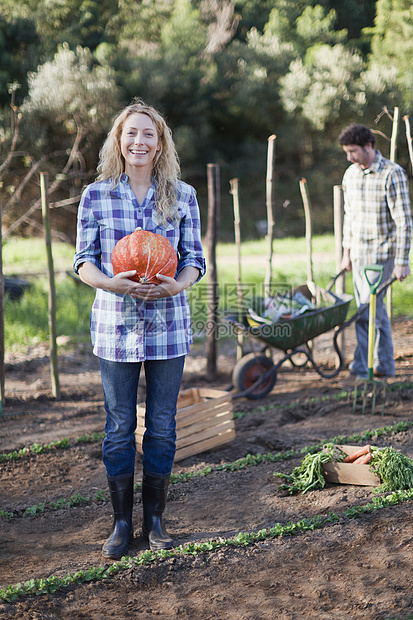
point(349, 568)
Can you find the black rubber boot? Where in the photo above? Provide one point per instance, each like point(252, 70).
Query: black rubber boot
point(121, 495)
point(154, 492)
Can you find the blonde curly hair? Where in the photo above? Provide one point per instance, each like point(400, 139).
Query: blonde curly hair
point(166, 168)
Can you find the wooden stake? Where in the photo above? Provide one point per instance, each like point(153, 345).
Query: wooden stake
point(52, 292)
point(393, 151)
point(394, 134)
point(270, 213)
point(212, 294)
point(409, 138)
point(338, 204)
point(308, 233)
point(234, 192)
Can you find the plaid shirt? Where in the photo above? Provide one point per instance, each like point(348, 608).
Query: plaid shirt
point(377, 214)
point(125, 329)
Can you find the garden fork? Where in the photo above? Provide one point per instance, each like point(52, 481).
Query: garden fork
point(371, 387)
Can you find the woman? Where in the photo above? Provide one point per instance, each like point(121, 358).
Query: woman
point(132, 323)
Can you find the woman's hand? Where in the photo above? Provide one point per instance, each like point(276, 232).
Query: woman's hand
point(169, 286)
point(150, 292)
point(123, 285)
point(90, 274)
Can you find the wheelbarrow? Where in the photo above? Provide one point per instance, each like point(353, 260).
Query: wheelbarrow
point(255, 374)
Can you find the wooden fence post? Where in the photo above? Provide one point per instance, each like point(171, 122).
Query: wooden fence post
point(394, 134)
point(308, 232)
point(52, 291)
point(338, 206)
point(393, 151)
point(212, 280)
point(238, 281)
point(270, 212)
point(409, 138)
point(2, 367)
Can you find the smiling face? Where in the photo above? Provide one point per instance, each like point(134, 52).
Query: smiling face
point(139, 143)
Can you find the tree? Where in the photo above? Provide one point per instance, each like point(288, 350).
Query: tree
point(225, 73)
point(315, 28)
point(352, 15)
point(334, 85)
point(18, 55)
point(76, 22)
point(392, 42)
point(73, 89)
point(140, 21)
point(57, 129)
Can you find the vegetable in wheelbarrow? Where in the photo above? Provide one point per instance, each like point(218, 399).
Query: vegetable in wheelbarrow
point(282, 306)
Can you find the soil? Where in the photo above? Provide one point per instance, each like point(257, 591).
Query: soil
point(353, 568)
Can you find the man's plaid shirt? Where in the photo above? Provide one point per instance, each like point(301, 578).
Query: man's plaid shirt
point(125, 329)
point(377, 220)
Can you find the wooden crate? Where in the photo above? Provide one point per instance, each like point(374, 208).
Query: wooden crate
point(204, 420)
point(349, 473)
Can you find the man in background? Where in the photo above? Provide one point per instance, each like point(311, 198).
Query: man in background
point(377, 231)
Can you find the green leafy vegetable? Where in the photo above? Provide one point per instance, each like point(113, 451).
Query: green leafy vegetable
point(309, 474)
point(394, 469)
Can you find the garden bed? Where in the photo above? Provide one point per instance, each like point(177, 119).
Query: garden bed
point(249, 550)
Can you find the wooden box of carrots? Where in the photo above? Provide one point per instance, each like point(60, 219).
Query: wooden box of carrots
point(354, 469)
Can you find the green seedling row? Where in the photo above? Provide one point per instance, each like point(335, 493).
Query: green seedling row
point(251, 460)
point(241, 540)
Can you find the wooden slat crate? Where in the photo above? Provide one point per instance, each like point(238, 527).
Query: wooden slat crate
point(349, 473)
point(204, 420)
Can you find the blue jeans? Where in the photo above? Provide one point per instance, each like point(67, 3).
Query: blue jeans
point(120, 386)
point(383, 348)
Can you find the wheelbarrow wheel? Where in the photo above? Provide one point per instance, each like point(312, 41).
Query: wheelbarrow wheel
point(248, 370)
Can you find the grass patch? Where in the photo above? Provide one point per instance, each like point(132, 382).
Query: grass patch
point(26, 320)
point(286, 245)
point(28, 256)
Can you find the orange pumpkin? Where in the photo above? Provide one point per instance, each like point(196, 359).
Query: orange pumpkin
point(148, 253)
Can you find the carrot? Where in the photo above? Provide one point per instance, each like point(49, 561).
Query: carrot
point(367, 458)
point(363, 459)
point(359, 460)
point(352, 457)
